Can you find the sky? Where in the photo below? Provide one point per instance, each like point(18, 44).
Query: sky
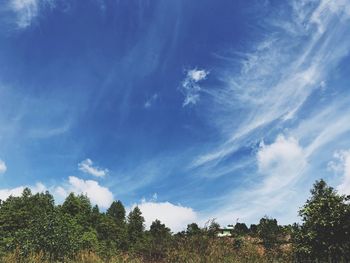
point(192, 110)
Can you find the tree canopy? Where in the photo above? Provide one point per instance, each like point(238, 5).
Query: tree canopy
point(32, 223)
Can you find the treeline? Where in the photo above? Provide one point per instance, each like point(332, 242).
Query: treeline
point(34, 229)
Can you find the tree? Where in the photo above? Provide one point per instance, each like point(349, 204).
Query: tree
point(269, 232)
point(253, 229)
point(240, 229)
point(159, 231)
point(160, 237)
point(78, 207)
point(193, 229)
point(117, 212)
point(57, 235)
point(325, 232)
point(24, 224)
point(111, 236)
point(135, 227)
point(213, 228)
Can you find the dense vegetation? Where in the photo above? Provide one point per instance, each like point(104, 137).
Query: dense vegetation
point(34, 229)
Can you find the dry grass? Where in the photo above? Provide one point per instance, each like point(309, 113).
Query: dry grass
point(187, 251)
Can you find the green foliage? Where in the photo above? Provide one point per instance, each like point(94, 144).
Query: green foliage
point(135, 229)
point(240, 229)
point(78, 207)
point(269, 232)
point(325, 233)
point(213, 228)
point(253, 230)
point(117, 212)
point(193, 230)
point(159, 238)
point(159, 231)
point(34, 229)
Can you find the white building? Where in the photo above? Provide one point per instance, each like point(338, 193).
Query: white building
point(225, 232)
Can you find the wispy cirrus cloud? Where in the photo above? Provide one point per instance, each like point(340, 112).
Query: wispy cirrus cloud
point(190, 85)
point(269, 98)
point(280, 165)
point(87, 166)
point(26, 11)
point(149, 102)
point(281, 73)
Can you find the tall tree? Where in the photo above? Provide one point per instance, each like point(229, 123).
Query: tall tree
point(117, 212)
point(79, 207)
point(160, 237)
point(269, 232)
point(135, 226)
point(159, 231)
point(193, 229)
point(325, 232)
point(240, 229)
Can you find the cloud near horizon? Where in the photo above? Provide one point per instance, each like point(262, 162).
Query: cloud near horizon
point(97, 194)
point(17, 191)
point(176, 217)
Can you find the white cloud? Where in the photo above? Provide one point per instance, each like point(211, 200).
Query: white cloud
point(151, 101)
point(5, 193)
point(197, 75)
point(17, 191)
point(280, 166)
point(176, 217)
point(342, 165)
point(27, 10)
point(282, 162)
point(3, 167)
point(87, 166)
point(190, 87)
point(282, 151)
point(98, 194)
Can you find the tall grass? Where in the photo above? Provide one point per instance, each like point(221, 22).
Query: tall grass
point(187, 250)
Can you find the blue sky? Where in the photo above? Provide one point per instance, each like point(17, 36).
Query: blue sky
point(190, 109)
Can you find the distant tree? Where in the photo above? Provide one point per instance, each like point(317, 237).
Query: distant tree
point(78, 207)
point(324, 235)
point(253, 229)
point(160, 236)
point(269, 232)
point(213, 228)
point(135, 226)
point(111, 236)
point(193, 229)
point(95, 216)
point(240, 229)
point(117, 212)
point(159, 231)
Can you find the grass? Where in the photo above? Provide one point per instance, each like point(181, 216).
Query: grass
point(189, 250)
